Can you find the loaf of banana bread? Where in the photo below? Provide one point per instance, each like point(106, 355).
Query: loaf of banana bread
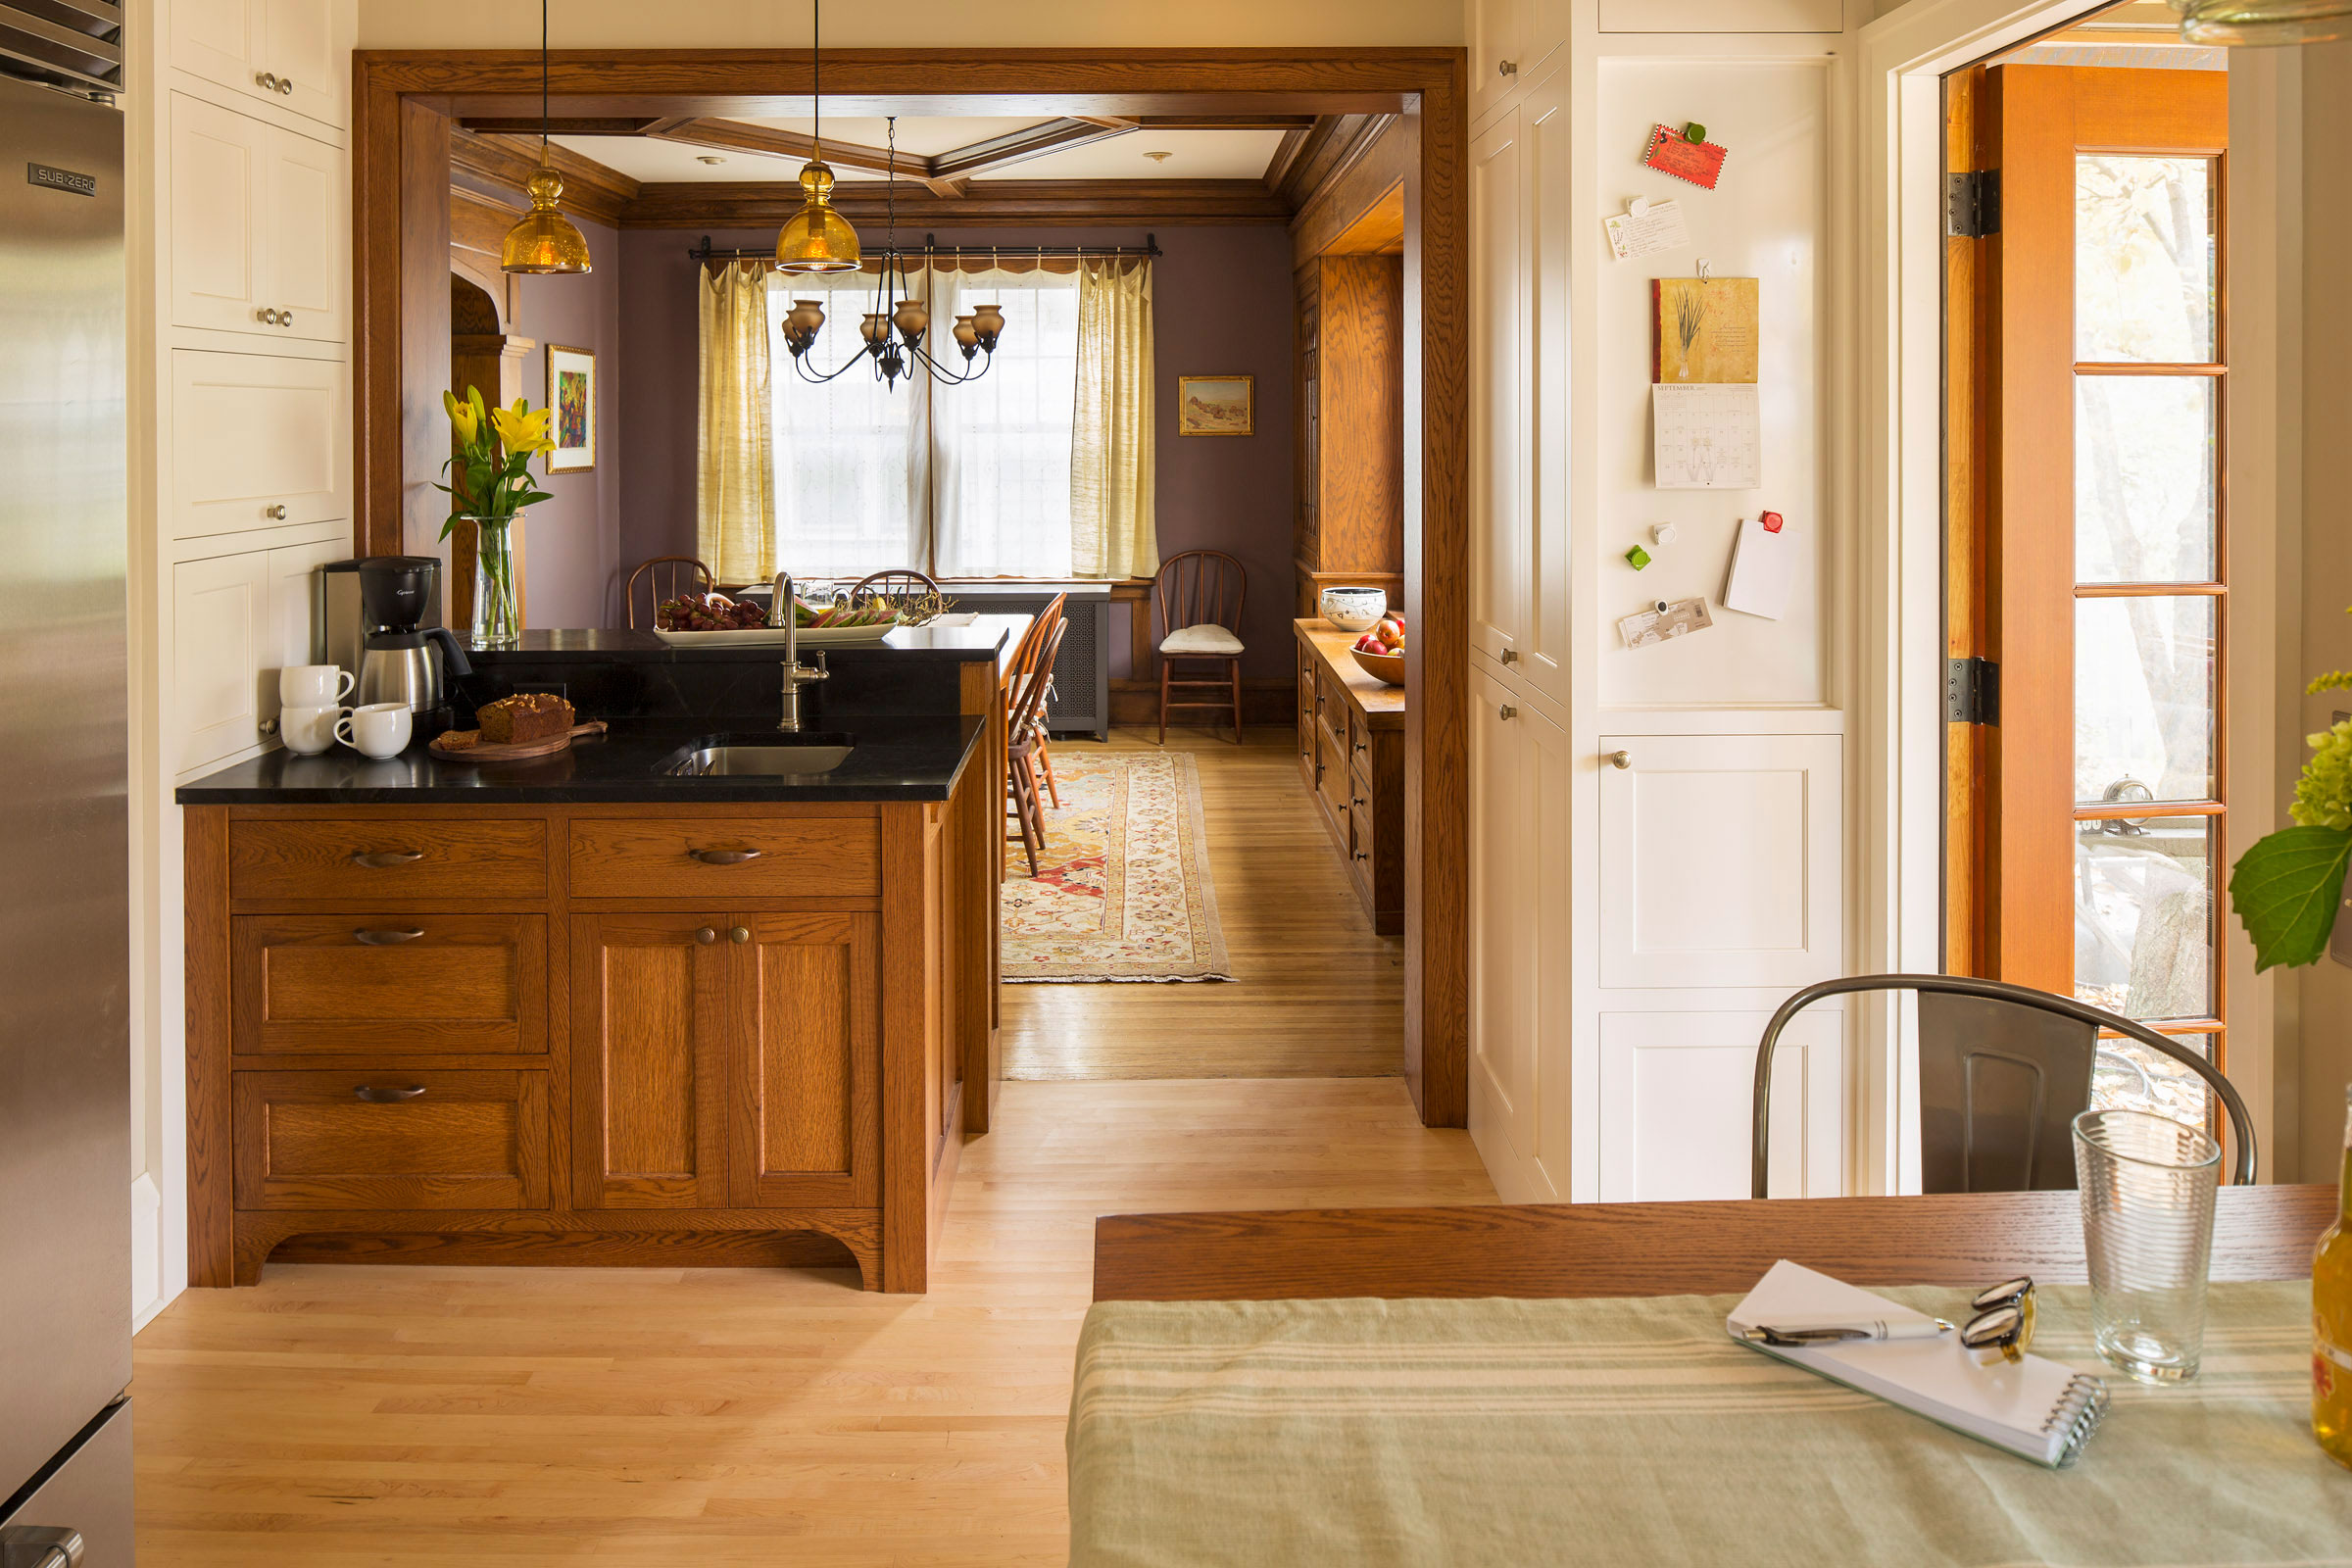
point(524, 717)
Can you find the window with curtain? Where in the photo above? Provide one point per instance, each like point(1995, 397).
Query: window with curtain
point(852, 458)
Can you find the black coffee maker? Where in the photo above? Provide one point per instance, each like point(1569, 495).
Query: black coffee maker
point(382, 616)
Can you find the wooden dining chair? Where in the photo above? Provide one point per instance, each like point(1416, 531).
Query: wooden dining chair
point(1199, 594)
point(1048, 621)
point(2003, 1071)
point(667, 577)
point(899, 582)
point(1022, 801)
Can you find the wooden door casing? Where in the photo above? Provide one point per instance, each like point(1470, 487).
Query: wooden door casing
point(652, 1023)
point(806, 1119)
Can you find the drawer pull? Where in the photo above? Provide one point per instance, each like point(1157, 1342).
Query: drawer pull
point(380, 859)
point(1360, 800)
point(275, 514)
point(1363, 854)
point(376, 1096)
point(724, 856)
point(368, 937)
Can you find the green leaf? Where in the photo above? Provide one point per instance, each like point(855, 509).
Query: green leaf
point(2287, 888)
point(531, 498)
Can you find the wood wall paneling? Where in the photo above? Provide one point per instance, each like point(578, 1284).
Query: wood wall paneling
point(422, 334)
point(1360, 422)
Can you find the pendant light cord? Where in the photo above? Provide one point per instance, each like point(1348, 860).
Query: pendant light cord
point(543, 81)
point(816, 84)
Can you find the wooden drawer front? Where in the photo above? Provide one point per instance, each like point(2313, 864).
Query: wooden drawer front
point(392, 982)
point(471, 1140)
point(366, 860)
point(659, 858)
point(1361, 848)
point(1334, 782)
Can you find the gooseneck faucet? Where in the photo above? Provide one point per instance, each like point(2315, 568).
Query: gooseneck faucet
point(796, 673)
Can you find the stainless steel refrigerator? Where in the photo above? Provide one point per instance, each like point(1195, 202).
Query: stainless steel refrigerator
point(64, 977)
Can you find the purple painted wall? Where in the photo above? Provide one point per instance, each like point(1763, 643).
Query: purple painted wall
point(1222, 299)
point(572, 544)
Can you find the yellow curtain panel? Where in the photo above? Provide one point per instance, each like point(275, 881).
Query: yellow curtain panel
point(734, 472)
point(1113, 530)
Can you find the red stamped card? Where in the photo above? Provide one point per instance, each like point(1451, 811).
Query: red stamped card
point(1671, 153)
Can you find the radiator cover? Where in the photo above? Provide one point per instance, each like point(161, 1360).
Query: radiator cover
point(1080, 700)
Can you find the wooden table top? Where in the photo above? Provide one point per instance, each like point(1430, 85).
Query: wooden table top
point(1382, 702)
point(1583, 1249)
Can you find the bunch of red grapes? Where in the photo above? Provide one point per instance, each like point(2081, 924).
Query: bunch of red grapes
point(707, 613)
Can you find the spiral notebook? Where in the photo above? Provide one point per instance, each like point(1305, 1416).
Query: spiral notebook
point(2035, 1408)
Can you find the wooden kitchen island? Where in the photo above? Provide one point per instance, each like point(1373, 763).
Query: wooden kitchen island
point(1352, 755)
point(581, 1010)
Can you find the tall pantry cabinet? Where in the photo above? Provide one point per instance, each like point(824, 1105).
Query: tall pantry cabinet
point(241, 481)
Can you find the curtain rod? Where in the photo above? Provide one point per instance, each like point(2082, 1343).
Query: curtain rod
point(706, 252)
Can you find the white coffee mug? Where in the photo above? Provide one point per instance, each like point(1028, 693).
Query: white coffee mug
point(308, 731)
point(379, 730)
point(314, 685)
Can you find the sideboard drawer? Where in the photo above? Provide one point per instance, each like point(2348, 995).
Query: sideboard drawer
point(417, 983)
point(366, 860)
point(722, 858)
point(428, 1140)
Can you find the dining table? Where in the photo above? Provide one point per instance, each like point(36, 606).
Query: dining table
point(1499, 1384)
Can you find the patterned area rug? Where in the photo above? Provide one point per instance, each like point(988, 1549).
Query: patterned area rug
point(1122, 891)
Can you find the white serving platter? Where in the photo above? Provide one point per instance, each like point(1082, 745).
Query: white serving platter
point(773, 636)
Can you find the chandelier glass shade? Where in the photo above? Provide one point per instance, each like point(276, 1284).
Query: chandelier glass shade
point(2264, 21)
point(892, 334)
point(544, 240)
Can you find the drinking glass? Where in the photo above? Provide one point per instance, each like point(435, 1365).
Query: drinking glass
point(2148, 1185)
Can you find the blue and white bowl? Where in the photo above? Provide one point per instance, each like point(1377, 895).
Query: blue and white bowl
point(1354, 608)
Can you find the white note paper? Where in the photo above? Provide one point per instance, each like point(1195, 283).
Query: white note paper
point(1646, 227)
point(1763, 569)
point(1649, 628)
point(1706, 435)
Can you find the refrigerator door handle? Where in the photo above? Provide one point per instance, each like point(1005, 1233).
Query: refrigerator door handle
point(39, 1547)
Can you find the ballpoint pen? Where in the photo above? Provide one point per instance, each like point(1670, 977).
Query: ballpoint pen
point(1815, 1331)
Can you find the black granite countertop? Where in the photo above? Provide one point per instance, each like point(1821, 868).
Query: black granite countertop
point(987, 637)
point(896, 758)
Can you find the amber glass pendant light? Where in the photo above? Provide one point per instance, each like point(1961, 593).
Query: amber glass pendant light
point(545, 240)
point(2265, 22)
point(816, 238)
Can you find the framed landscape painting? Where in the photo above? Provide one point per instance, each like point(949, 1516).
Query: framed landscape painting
point(1216, 404)
point(571, 393)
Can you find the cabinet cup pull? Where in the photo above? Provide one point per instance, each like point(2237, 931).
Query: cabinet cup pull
point(738, 934)
point(378, 860)
point(706, 936)
point(1363, 854)
point(724, 856)
point(1621, 761)
point(1358, 800)
point(377, 937)
point(388, 1096)
point(276, 514)
point(266, 80)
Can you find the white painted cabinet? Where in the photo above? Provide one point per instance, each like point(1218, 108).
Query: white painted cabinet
point(1508, 40)
point(1677, 1090)
point(296, 635)
point(292, 53)
point(1519, 943)
point(259, 226)
point(1501, 406)
point(1720, 861)
point(257, 441)
point(220, 632)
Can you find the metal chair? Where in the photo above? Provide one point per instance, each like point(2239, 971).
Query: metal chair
point(1201, 594)
point(899, 582)
point(664, 575)
point(2003, 1071)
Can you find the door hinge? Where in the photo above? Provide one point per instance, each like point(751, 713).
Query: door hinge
point(1973, 204)
point(1972, 691)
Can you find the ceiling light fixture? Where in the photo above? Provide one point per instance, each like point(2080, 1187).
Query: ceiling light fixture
point(2264, 21)
point(1160, 158)
point(894, 330)
point(545, 240)
point(709, 157)
point(816, 238)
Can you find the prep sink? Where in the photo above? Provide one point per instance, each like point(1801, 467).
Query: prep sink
point(775, 754)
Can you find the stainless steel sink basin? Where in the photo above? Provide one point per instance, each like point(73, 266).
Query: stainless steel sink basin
point(775, 755)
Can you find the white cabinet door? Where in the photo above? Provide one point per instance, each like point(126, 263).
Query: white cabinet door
point(1543, 642)
point(1678, 1103)
point(217, 39)
point(1499, 51)
point(220, 190)
point(295, 635)
point(220, 632)
point(307, 45)
point(256, 441)
point(1499, 438)
point(306, 231)
point(1720, 861)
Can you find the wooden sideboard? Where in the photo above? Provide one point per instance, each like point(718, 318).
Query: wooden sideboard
point(1352, 755)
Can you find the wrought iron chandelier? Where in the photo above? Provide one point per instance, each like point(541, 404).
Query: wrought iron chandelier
point(895, 329)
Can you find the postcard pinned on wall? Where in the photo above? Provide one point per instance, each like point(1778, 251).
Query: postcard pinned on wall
point(1705, 436)
point(1685, 154)
point(1706, 328)
point(1764, 561)
point(1646, 227)
point(1649, 627)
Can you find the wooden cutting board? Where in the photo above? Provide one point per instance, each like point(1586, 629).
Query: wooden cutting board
point(483, 751)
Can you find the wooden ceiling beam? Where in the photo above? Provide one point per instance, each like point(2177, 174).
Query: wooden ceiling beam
point(798, 147)
point(995, 203)
point(1031, 141)
point(560, 126)
point(499, 168)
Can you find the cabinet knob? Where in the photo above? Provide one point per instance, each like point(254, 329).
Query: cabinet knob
point(1509, 656)
point(285, 317)
point(266, 80)
point(1506, 68)
point(1506, 710)
point(380, 1096)
point(285, 84)
point(740, 935)
point(706, 936)
point(276, 514)
point(1621, 761)
point(724, 856)
point(266, 316)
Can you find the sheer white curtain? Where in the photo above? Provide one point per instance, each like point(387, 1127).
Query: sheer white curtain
point(850, 470)
point(1002, 445)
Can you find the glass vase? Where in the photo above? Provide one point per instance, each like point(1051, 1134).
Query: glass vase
point(497, 623)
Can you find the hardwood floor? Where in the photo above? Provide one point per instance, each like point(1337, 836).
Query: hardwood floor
point(339, 1416)
point(1319, 996)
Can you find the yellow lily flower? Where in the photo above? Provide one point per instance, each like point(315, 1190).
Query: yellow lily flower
point(463, 419)
point(521, 431)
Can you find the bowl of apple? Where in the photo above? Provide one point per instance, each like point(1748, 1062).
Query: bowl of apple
point(1380, 651)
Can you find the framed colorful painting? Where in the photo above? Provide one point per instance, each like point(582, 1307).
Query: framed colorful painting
point(1216, 404)
point(571, 393)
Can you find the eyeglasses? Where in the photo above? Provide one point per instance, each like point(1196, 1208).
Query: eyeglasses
point(2004, 1319)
